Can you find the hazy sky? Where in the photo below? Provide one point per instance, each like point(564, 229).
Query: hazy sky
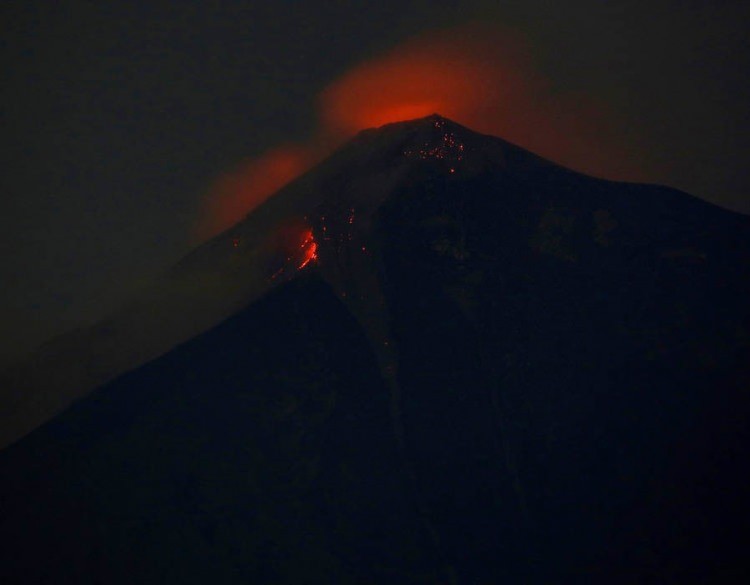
point(119, 116)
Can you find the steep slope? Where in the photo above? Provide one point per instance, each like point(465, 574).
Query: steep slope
point(210, 463)
point(213, 282)
point(488, 367)
point(223, 275)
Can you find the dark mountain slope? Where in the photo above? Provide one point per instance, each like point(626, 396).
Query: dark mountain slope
point(497, 369)
point(262, 451)
point(616, 371)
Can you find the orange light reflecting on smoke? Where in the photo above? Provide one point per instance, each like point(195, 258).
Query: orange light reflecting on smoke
point(481, 77)
point(454, 73)
point(238, 192)
point(484, 78)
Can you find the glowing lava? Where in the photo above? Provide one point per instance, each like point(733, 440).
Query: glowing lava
point(302, 253)
point(309, 249)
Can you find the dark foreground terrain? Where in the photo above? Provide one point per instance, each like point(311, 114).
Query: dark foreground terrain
point(494, 369)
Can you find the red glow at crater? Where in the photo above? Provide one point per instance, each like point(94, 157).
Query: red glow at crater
point(443, 74)
point(481, 77)
point(484, 78)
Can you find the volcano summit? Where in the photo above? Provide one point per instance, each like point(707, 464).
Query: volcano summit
point(434, 358)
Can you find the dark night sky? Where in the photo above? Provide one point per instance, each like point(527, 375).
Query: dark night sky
point(118, 117)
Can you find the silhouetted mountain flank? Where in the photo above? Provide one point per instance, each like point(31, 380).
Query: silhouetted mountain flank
point(444, 360)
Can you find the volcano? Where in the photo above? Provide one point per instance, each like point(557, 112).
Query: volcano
point(433, 358)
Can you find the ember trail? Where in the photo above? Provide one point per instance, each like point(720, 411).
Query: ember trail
point(305, 253)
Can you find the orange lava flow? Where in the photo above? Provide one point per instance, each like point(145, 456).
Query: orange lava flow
point(309, 250)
